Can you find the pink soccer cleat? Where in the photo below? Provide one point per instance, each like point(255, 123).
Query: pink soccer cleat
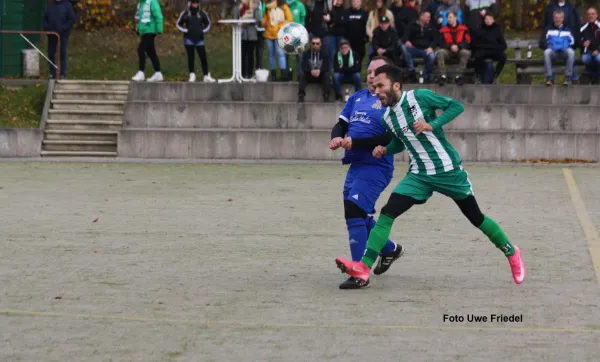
point(517, 267)
point(356, 269)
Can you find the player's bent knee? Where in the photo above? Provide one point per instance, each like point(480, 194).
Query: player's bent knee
point(353, 211)
point(399, 204)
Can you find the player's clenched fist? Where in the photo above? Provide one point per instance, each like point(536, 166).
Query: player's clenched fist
point(347, 143)
point(335, 143)
point(379, 151)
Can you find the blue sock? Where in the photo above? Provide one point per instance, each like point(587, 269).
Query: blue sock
point(390, 246)
point(358, 235)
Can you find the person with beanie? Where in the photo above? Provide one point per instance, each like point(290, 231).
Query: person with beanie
point(488, 42)
point(59, 18)
point(346, 69)
point(193, 23)
point(276, 15)
point(150, 24)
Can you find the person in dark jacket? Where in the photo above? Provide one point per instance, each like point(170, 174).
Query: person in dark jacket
point(407, 14)
point(315, 69)
point(315, 18)
point(419, 41)
point(356, 28)
point(194, 22)
point(336, 22)
point(590, 40)
point(395, 7)
point(487, 42)
point(346, 69)
point(59, 18)
point(385, 40)
point(455, 43)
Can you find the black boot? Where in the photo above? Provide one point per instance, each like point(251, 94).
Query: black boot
point(284, 75)
point(273, 76)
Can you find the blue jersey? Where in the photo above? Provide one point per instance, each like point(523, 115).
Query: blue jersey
point(363, 112)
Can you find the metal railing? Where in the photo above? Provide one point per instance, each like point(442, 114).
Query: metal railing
point(32, 32)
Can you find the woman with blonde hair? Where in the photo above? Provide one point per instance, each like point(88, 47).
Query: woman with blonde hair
point(276, 15)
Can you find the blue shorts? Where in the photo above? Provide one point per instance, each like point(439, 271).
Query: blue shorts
point(365, 183)
point(187, 41)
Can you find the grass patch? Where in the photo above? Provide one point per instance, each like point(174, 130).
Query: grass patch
point(22, 107)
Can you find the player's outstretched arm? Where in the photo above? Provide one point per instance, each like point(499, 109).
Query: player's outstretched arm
point(371, 142)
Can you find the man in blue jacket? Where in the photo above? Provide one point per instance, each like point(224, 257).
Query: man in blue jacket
point(59, 18)
point(557, 41)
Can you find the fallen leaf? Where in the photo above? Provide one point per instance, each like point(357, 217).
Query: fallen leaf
point(58, 297)
point(96, 219)
point(96, 251)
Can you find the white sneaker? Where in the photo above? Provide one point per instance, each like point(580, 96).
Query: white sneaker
point(139, 76)
point(208, 79)
point(192, 77)
point(156, 77)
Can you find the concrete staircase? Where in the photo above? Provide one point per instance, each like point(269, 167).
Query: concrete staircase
point(84, 118)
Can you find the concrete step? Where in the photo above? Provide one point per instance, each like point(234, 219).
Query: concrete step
point(291, 115)
point(78, 154)
point(88, 105)
point(70, 114)
point(79, 145)
point(89, 125)
point(82, 135)
point(99, 95)
point(312, 144)
point(88, 85)
point(288, 92)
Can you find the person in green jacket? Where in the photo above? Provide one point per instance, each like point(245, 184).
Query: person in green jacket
point(150, 24)
point(299, 13)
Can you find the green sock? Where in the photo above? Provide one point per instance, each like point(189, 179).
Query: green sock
point(377, 239)
point(493, 231)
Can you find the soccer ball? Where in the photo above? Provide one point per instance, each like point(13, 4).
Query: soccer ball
point(293, 38)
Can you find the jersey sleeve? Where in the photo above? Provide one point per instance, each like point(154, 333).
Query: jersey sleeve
point(451, 108)
point(346, 113)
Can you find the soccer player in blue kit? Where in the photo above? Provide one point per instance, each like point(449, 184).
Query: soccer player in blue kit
point(358, 131)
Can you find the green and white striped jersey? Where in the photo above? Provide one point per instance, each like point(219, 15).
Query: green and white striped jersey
point(430, 152)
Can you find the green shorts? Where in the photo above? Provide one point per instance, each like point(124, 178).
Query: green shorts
point(454, 184)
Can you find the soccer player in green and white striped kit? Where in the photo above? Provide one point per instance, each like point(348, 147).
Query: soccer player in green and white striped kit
point(434, 166)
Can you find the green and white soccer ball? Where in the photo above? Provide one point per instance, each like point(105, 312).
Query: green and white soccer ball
point(293, 38)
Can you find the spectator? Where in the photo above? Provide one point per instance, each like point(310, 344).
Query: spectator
point(276, 15)
point(590, 36)
point(315, 68)
point(245, 10)
point(488, 43)
point(407, 14)
point(477, 10)
point(385, 40)
point(59, 18)
point(260, 34)
point(194, 22)
point(432, 7)
point(395, 8)
point(571, 17)
point(336, 21)
point(557, 42)
point(150, 24)
point(420, 41)
point(356, 29)
point(374, 16)
point(346, 69)
point(442, 10)
point(299, 15)
point(316, 24)
point(454, 44)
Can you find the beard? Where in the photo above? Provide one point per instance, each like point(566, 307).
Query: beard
point(389, 98)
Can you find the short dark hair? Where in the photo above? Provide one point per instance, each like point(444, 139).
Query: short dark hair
point(384, 58)
point(392, 72)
